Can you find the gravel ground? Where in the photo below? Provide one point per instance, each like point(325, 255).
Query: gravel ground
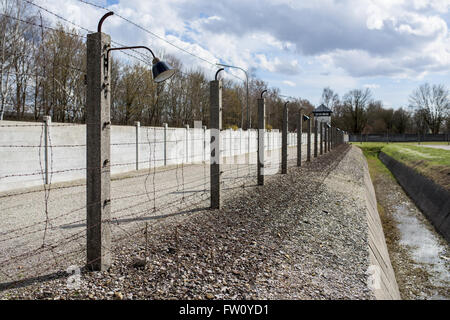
point(45, 230)
point(301, 236)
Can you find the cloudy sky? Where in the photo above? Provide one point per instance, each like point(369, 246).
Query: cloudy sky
point(299, 46)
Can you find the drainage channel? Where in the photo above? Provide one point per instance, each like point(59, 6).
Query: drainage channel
point(419, 255)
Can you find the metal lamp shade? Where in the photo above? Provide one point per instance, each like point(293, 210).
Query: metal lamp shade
point(161, 71)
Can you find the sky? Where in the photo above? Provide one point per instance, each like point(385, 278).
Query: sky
point(298, 46)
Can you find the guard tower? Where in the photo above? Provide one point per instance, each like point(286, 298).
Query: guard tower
point(322, 114)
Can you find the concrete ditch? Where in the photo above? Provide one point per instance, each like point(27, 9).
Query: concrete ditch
point(432, 199)
point(386, 288)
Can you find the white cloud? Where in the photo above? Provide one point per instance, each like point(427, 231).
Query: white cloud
point(277, 65)
point(289, 83)
point(329, 43)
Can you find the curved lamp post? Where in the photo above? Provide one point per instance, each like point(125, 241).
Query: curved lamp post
point(249, 124)
point(284, 139)
point(161, 70)
point(98, 147)
point(262, 93)
point(217, 73)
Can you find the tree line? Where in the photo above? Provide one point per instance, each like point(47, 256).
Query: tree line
point(428, 111)
point(43, 73)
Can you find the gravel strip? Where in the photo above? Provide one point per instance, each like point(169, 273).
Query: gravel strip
point(301, 236)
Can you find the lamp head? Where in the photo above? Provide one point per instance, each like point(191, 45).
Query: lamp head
point(161, 70)
point(305, 118)
point(328, 125)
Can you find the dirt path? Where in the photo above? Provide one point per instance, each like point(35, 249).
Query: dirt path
point(436, 146)
point(420, 256)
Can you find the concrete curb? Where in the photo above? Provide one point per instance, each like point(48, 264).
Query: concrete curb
point(386, 288)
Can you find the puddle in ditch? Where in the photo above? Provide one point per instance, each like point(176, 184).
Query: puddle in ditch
point(427, 249)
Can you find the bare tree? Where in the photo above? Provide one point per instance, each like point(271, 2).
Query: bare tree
point(401, 120)
point(330, 99)
point(433, 102)
point(355, 104)
point(43, 71)
point(11, 43)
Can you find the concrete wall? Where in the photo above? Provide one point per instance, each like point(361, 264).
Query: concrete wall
point(386, 288)
point(431, 198)
point(22, 160)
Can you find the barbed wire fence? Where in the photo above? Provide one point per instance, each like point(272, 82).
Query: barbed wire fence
point(158, 173)
point(167, 174)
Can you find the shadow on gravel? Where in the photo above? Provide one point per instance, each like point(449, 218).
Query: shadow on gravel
point(29, 281)
point(127, 220)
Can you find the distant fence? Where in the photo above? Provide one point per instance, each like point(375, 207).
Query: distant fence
point(408, 137)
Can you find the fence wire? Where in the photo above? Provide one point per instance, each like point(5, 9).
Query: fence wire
point(157, 174)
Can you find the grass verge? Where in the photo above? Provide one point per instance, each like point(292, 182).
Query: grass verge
point(430, 162)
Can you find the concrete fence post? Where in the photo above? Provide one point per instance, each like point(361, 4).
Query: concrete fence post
point(230, 134)
point(137, 124)
point(329, 138)
point(47, 123)
point(261, 136)
point(247, 156)
point(165, 125)
point(335, 137)
point(315, 137)
point(240, 142)
point(215, 127)
point(204, 144)
point(284, 135)
point(299, 138)
point(321, 138)
point(98, 150)
point(308, 143)
point(186, 147)
point(332, 138)
point(194, 138)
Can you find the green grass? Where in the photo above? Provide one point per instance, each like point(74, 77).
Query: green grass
point(431, 162)
point(414, 153)
point(371, 151)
